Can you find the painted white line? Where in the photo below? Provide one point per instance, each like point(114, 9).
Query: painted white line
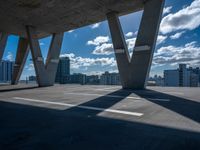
point(109, 88)
point(82, 107)
point(159, 99)
point(178, 93)
point(103, 90)
point(93, 94)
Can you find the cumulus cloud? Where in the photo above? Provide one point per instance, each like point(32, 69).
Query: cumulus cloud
point(70, 31)
point(103, 49)
point(187, 18)
point(30, 67)
point(42, 44)
point(10, 56)
point(98, 40)
point(103, 46)
point(76, 61)
point(177, 35)
point(172, 55)
point(96, 25)
point(129, 34)
point(130, 43)
point(161, 39)
point(167, 10)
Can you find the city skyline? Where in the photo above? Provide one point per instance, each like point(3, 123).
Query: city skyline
point(90, 48)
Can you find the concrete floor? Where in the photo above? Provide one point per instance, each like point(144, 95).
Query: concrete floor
point(99, 118)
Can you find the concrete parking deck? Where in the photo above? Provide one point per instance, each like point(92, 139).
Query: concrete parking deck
point(99, 118)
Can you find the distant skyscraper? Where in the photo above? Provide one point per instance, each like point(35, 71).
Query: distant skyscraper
point(93, 79)
point(182, 77)
point(77, 78)
point(110, 79)
point(63, 70)
point(32, 78)
point(6, 70)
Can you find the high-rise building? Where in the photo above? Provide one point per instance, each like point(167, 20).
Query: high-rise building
point(63, 70)
point(156, 81)
point(182, 77)
point(110, 79)
point(92, 79)
point(32, 78)
point(6, 70)
point(77, 78)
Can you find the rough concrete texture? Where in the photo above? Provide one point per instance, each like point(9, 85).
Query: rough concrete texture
point(59, 15)
point(78, 117)
point(134, 71)
point(45, 72)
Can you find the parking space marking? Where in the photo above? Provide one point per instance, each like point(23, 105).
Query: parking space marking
point(82, 107)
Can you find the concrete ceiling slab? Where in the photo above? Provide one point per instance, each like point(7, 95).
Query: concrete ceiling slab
point(53, 16)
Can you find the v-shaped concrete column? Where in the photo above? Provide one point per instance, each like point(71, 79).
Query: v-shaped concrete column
point(20, 60)
point(135, 71)
point(3, 41)
point(45, 73)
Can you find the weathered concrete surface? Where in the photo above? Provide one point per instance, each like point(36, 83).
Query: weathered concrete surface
point(134, 71)
point(77, 117)
point(59, 15)
point(3, 41)
point(20, 59)
point(45, 72)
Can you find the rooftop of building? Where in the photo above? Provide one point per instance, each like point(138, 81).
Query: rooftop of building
point(99, 117)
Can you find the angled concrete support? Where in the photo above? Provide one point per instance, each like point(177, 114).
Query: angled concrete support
point(20, 60)
point(3, 40)
point(45, 72)
point(134, 71)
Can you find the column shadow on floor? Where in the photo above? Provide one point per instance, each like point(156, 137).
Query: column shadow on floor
point(30, 127)
point(182, 106)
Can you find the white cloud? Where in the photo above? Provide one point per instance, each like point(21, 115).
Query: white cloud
point(187, 18)
point(99, 40)
point(161, 39)
point(167, 10)
point(129, 34)
point(30, 67)
point(70, 31)
point(10, 56)
point(136, 32)
point(103, 49)
point(96, 25)
point(42, 43)
point(130, 43)
point(177, 35)
point(76, 61)
point(188, 53)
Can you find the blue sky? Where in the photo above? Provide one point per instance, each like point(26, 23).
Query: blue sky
point(90, 48)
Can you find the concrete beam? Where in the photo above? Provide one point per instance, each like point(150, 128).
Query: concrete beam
point(45, 73)
point(20, 60)
point(3, 41)
point(135, 71)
